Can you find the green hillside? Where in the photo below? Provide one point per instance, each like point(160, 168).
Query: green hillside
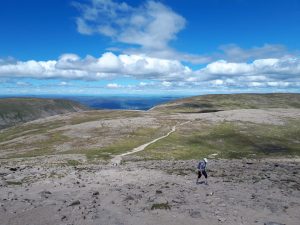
point(19, 110)
point(211, 103)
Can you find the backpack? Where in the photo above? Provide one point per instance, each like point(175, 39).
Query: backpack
point(201, 165)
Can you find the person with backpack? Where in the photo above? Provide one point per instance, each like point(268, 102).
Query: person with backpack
point(202, 170)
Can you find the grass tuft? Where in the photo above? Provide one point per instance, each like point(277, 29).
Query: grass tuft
point(164, 206)
point(73, 162)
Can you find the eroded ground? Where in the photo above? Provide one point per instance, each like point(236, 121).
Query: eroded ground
point(149, 192)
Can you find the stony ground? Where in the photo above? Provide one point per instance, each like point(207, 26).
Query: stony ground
point(47, 190)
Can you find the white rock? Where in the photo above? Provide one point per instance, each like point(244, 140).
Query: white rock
point(9, 177)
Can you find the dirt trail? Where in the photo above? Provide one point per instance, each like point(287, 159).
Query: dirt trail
point(118, 158)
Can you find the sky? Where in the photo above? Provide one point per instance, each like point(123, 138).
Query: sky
point(147, 47)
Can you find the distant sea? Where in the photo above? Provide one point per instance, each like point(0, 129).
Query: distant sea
point(117, 102)
point(114, 102)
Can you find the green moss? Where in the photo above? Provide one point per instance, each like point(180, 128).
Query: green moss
point(164, 206)
point(14, 183)
point(73, 162)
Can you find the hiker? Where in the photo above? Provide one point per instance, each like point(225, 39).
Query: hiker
point(201, 169)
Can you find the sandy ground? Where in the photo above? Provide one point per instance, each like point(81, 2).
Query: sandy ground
point(44, 191)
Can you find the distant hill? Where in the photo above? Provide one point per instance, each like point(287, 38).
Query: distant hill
point(220, 102)
point(18, 110)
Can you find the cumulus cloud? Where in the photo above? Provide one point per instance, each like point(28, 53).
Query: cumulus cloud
point(109, 65)
point(261, 73)
point(272, 72)
point(284, 68)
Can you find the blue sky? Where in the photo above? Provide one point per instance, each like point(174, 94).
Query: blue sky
point(97, 47)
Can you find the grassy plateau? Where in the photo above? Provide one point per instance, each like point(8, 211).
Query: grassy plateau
point(101, 134)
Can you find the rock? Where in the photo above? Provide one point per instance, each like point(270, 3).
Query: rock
point(95, 193)
point(273, 223)
point(22, 167)
point(222, 219)
point(195, 214)
point(45, 194)
point(9, 177)
point(77, 202)
point(14, 169)
point(63, 217)
point(34, 172)
point(178, 201)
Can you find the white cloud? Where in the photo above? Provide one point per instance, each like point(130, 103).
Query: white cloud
point(150, 25)
point(223, 67)
point(113, 85)
point(255, 84)
point(23, 84)
point(274, 72)
point(166, 84)
point(284, 67)
point(143, 84)
point(233, 52)
point(217, 82)
point(70, 66)
point(63, 83)
point(147, 28)
point(82, 27)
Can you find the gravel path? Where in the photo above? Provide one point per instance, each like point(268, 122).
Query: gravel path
point(118, 158)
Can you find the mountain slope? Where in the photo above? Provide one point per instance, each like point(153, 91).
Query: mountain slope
point(19, 110)
point(212, 103)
